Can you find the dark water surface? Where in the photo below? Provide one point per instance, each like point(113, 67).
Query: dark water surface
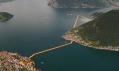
point(35, 27)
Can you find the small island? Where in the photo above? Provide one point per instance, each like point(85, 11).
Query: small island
point(100, 33)
point(14, 62)
point(5, 16)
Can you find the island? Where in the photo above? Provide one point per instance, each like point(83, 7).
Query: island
point(5, 16)
point(100, 33)
point(14, 62)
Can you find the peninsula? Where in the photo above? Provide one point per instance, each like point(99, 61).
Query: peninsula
point(100, 33)
point(14, 62)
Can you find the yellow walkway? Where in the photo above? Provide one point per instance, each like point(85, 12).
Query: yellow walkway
point(50, 49)
point(75, 22)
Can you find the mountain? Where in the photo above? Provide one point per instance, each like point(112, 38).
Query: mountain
point(100, 33)
point(81, 3)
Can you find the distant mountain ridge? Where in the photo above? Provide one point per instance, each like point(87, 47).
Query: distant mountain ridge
point(80, 3)
point(4, 1)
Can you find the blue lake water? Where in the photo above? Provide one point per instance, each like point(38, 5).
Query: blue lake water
point(36, 26)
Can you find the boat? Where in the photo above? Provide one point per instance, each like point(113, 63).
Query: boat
point(69, 14)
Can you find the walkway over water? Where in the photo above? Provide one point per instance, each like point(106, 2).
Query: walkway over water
point(50, 49)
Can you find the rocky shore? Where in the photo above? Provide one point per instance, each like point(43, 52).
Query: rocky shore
point(14, 62)
point(78, 39)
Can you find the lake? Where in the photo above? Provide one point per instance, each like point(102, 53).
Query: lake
point(36, 27)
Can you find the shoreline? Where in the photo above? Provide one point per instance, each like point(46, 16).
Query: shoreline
point(72, 37)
